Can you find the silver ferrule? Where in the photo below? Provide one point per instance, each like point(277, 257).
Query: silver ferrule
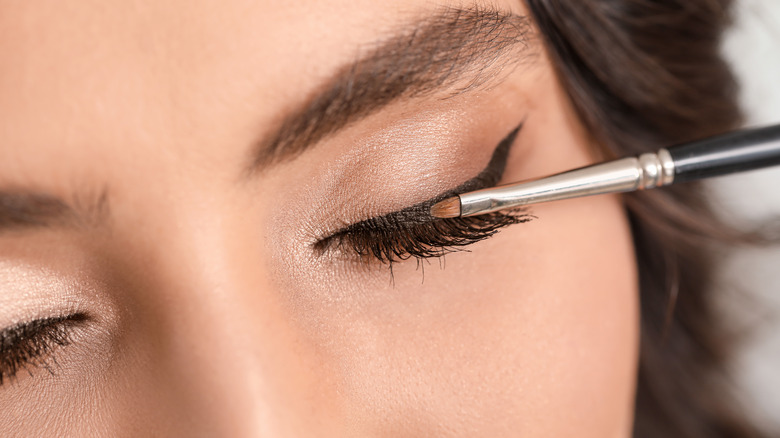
point(624, 175)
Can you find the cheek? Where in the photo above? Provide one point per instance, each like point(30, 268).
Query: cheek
point(578, 343)
point(534, 325)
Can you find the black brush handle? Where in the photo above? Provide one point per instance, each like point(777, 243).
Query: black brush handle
point(736, 151)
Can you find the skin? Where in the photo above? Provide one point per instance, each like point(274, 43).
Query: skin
point(210, 315)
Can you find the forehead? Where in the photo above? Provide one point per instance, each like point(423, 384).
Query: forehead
point(99, 80)
point(87, 76)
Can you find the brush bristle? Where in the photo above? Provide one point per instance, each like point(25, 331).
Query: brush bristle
point(447, 208)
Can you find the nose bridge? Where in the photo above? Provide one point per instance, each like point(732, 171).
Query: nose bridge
point(225, 351)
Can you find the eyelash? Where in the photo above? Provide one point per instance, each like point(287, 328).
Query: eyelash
point(32, 344)
point(390, 239)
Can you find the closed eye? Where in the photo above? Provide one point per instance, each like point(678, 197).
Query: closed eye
point(33, 344)
point(414, 233)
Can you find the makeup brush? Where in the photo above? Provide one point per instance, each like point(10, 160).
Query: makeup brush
point(735, 152)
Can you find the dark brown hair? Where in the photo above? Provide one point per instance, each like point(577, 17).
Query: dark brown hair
point(645, 73)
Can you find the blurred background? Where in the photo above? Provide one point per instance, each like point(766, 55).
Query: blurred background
point(752, 276)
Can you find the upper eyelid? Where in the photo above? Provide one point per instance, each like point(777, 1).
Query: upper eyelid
point(420, 212)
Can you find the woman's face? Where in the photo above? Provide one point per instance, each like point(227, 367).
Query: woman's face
point(172, 175)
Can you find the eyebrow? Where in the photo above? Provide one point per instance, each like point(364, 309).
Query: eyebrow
point(26, 210)
point(455, 50)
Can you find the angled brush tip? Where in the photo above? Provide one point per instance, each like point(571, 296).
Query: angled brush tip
point(447, 208)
